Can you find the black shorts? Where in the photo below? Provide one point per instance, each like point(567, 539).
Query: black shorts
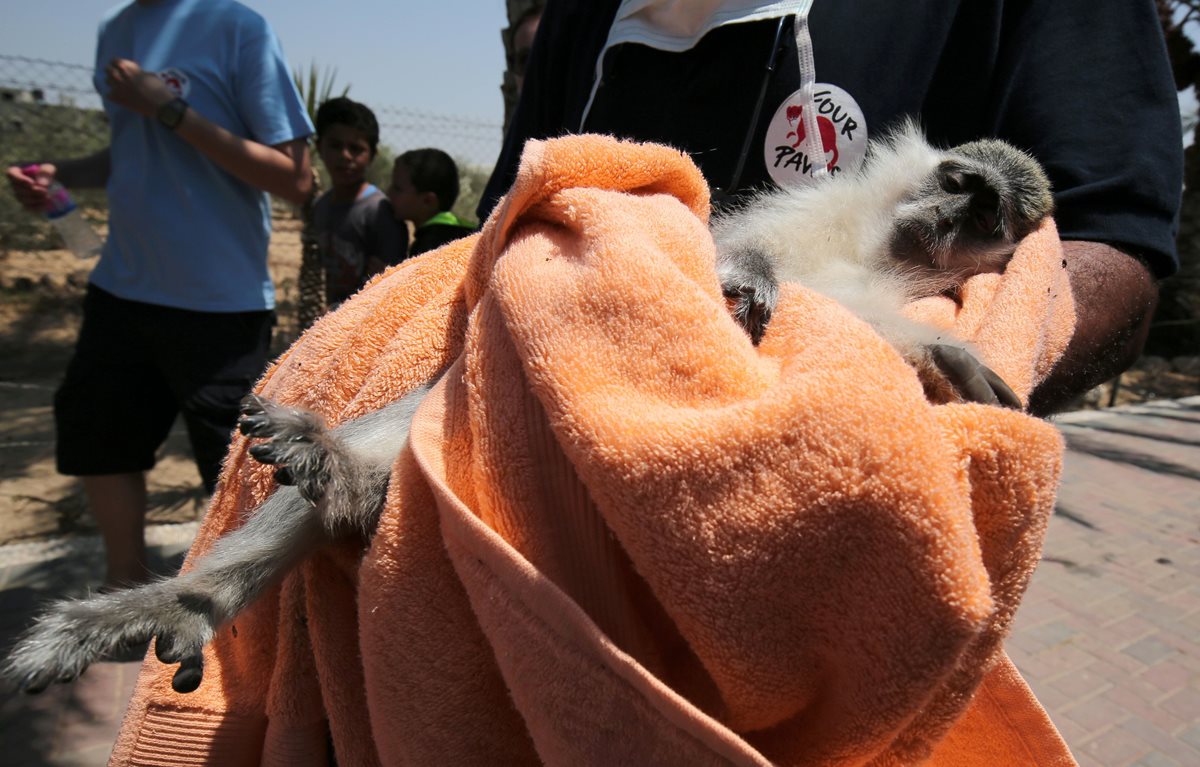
point(137, 365)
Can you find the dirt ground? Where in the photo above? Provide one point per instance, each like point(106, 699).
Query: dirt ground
point(40, 301)
point(40, 294)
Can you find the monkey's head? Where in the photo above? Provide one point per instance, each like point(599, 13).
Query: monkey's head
point(967, 215)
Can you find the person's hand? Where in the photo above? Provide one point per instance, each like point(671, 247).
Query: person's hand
point(134, 89)
point(29, 186)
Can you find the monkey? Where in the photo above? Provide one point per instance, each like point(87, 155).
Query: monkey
point(915, 221)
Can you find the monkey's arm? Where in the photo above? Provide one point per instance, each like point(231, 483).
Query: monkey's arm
point(1115, 296)
point(948, 367)
point(750, 286)
point(340, 477)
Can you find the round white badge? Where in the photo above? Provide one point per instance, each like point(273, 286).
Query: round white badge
point(177, 82)
point(843, 137)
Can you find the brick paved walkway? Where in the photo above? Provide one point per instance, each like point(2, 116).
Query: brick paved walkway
point(75, 725)
point(1108, 636)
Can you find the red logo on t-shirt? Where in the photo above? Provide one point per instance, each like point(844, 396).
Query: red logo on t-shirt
point(176, 81)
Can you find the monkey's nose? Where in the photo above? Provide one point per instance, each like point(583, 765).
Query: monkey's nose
point(985, 210)
point(983, 201)
point(952, 180)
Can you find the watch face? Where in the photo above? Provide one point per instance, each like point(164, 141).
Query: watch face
point(171, 113)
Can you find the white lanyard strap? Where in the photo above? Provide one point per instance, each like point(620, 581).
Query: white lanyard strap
point(813, 146)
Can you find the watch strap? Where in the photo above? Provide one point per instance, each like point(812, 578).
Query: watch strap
point(171, 113)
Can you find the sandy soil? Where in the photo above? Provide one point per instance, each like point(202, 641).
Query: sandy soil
point(40, 295)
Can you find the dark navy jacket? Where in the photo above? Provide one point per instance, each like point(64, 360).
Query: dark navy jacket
point(1084, 86)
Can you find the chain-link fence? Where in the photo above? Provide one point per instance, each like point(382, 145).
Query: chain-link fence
point(50, 109)
point(474, 141)
point(47, 109)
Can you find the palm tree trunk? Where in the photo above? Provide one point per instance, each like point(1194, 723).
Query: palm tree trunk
point(517, 10)
point(1176, 327)
point(311, 301)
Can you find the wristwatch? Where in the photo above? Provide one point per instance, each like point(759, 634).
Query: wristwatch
point(171, 113)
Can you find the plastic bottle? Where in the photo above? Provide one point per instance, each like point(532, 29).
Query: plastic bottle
point(64, 215)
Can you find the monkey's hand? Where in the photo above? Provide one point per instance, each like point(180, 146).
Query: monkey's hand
point(342, 472)
point(750, 287)
point(957, 374)
point(296, 443)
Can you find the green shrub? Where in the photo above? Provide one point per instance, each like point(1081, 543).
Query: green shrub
point(39, 132)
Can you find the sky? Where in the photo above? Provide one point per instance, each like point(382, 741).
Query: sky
point(437, 56)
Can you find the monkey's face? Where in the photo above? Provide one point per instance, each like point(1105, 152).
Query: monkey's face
point(968, 213)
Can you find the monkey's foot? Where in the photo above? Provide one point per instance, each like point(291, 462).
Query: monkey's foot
point(750, 288)
point(297, 442)
point(72, 635)
point(967, 378)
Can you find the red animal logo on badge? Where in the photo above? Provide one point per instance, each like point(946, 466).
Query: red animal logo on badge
point(824, 125)
point(176, 81)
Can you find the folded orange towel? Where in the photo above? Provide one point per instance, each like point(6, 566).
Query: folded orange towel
point(623, 534)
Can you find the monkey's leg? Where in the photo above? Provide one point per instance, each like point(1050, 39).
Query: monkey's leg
point(971, 379)
point(949, 369)
point(181, 612)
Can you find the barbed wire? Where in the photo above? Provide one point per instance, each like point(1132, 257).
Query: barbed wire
point(471, 139)
point(27, 83)
point(50, 109)
point(43, 81)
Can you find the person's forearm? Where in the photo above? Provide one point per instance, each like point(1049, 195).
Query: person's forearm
point(1115, 296)
point(283, 171)
point(90, 172)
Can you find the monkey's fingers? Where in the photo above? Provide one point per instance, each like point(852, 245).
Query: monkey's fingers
point(253, 410)
point(189, 675)
point(255, 425)
point(169, 648)
point(757, 317)
point(1008, 398)
point(266, 453)
point(751, 310)
point(971, 378)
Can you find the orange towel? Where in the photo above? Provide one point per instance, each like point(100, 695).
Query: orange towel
point(623, 534)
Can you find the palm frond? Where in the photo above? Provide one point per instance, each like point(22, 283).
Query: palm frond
point(316, 86)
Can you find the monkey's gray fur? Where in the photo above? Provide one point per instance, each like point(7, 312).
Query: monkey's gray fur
point(917, 221)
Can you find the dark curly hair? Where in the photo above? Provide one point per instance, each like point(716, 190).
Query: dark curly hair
point(344, 111)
